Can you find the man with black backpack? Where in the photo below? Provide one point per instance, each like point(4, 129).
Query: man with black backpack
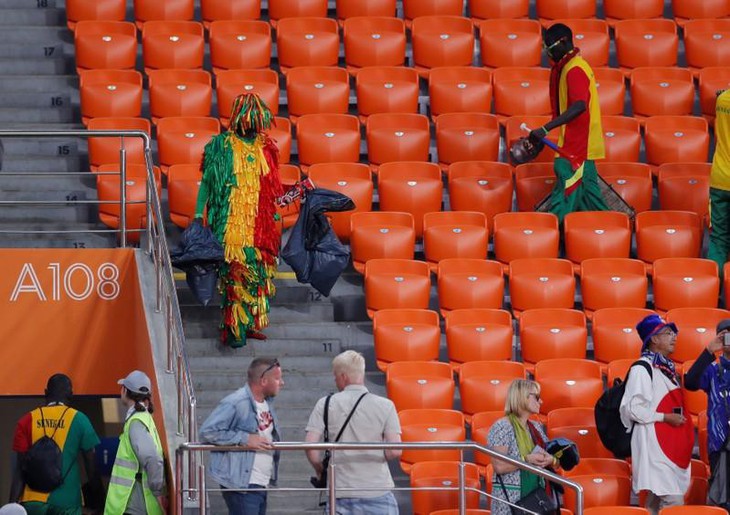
point(48, 441)
point(653, 407)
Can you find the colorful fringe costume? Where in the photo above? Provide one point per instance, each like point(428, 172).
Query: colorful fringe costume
point(240, 186)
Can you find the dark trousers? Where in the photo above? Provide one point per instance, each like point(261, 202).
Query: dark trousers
point(246, 503)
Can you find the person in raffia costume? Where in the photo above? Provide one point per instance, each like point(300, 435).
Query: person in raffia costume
point(239, 188)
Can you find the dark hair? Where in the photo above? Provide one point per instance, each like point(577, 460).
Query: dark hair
point(59, 388)
point(556, 32)
point(258, 366)
point(140, 399)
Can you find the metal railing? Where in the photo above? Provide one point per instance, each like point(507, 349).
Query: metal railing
point(154, 242)
point(198, 488)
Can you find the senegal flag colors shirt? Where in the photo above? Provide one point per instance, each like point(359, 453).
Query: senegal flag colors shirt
point(720, 175)
point(74, 434)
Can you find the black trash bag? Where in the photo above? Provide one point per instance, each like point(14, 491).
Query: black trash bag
point(199, 255)
point(313, 250)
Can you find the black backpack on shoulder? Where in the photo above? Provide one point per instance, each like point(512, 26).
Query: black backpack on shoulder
point(611, 430)
point(42, 465)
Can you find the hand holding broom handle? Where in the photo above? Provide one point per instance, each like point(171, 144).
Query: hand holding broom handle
point(548, 143)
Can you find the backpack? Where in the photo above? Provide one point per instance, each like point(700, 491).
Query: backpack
point(43, 463)
point(611, 430)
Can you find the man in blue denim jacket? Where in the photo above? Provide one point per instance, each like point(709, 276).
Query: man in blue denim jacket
point(246, 418)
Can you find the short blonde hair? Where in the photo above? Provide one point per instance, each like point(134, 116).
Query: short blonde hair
point(351, 363)
point(518, 396)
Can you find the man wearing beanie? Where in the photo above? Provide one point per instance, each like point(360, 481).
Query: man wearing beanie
point(712, 377)
point(653, 406)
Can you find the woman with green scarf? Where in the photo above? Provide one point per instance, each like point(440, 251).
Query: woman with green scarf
point(511, 435)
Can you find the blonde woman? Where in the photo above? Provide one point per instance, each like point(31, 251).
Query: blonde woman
point(519, 438)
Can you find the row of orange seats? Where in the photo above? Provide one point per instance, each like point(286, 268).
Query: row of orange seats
point(436, 41)
point(211, 10)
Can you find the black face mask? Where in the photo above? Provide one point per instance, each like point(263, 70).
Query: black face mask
point(557, 50)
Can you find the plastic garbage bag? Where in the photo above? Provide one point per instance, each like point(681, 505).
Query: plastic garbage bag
point(199, 255)
point(313, 250)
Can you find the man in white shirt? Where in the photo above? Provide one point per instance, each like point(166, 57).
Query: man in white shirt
point(374, 419)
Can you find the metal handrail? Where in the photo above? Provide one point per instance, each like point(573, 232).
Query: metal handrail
point(196, 448)
point(156, 243)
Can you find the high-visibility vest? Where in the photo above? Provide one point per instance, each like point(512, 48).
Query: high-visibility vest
point(125, 470)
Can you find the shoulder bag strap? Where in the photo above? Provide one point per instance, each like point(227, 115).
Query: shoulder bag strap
point(325, 418)
point(347, 421)
point(504, 490)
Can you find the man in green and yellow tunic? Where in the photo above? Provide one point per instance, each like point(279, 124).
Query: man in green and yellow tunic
point(720, 184)
point(577, 113)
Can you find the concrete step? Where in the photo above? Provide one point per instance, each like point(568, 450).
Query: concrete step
point(287, 291)
point(45, 17)
point(237, 364)
point(29, 34)
point(26, 4)
point(51, 100)
point(41, 66)
point(47, 194)
point(25, 238)
point(71, 162)
point(25, 148)
point(71, 214)
point(280, 313)
point(10, 115)
point(39, 83)
point(199, 347)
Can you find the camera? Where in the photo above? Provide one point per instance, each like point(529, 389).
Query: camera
point(678, 410)
point(726, 339)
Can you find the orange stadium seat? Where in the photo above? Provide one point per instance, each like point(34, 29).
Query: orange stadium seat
point(616, 10)
point(696, 328)
point(169, 10)
point(109, 10)
point(661, 91)
point(396, 283)
point(414, 187)
point(307, 42)
point(420, 385)
point(685, 282)
point(612, 90)
point(552, 333)
point(317, 89)
point(381, 234)
point(106, 150)
point(508, 42)
point(483, 385)
point(172, 44)
point(706, 43)
point(289, 175)
point(328, 138)
point(281, 134)
point(661, 234)
point(685, 10)
point(696, 495)
point(214, 10)
point(484, 186)
point(615, 336)
point(374, 41)
point(618, 369)
point(691, 510)
point(632, 181)
point(579, 425)
point(441, 41)
point(413, 9)
point(478, 335)
point(134, 171)
point(651, 42)
point(711, 80)
point(231, 83)
point(108, 190)
point(110, 93)
point(514, 130)
point(622, 139)
point(696, 402)
point(467, 137)
point(454, 234)
point(405, 335)
point(499, 9)
point(179, 93)
point(105, 44)
point(525, 235)
point(480, 424)
point(183, 182)
point(676, 139)
point(541, 283)
point(561, 10)
point(351, 179)
point(386, 89)
point(609, 466)
point(397, 137)
point(685, 187)
point(600, 490)
point(568, 383)
point(430, 425)
point(239, 44)
point(459, 89)
point(181, 139)
point(596, 234)
point(465, 283)
point(347, 9)
point(533, 182)
point(279, 9)
point(612, 283)
point(443, 474)
point(521, 91)
point(591, 36)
